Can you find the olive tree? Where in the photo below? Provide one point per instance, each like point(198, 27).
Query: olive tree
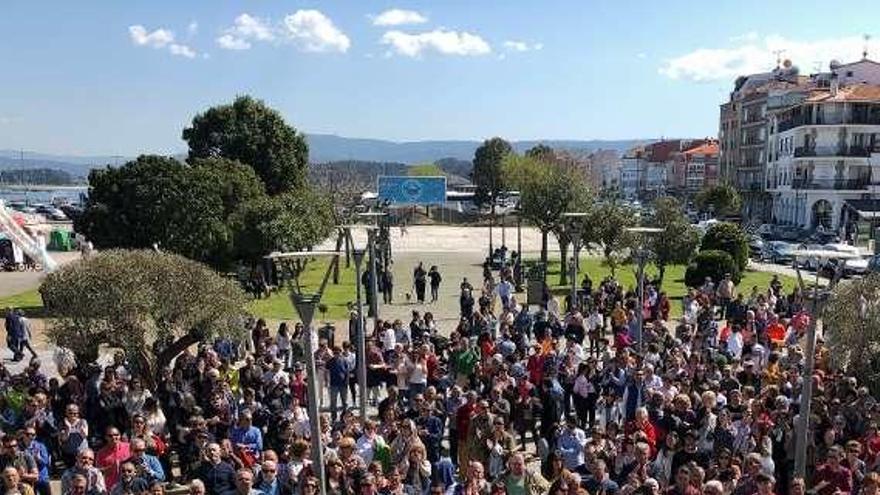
point(851, 319)
point(152, 305)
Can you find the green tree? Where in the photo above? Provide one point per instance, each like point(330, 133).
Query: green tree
point(542, 153)
point(723, 199)
point(851, 321)
point(679, 239)
point(152, 305)
point(426, 170)
point(158, 200)
point(546, 192)
point(292, 221)
point(713, 264)
point(730, 238)
point(487, 175)
point(249, 131)
point(606, 228)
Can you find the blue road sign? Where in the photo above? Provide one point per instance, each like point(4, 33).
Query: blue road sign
point(412, 190)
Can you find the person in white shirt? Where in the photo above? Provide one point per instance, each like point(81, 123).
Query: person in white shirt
point(504, 291)
point(735, 343)
point(389, 339)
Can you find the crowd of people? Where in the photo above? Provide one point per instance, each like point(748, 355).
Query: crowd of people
point(513, 400)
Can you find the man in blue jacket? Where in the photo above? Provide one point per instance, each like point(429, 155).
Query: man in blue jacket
point(338, 369)
point(148, 466)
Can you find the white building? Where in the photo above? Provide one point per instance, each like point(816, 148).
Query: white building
point(824, 148)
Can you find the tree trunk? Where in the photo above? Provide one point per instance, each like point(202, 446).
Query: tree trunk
point(544, 235)
point(563, 263)
point(662, 269)
point(610, 262)
point(172, 351)
point(339, 242)
point(347, 252)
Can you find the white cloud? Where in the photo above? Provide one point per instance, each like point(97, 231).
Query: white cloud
point(193, 28)
point(181, 50)
point(315, 32)
point(751, 55)
point(230, 42)
point(750, 36)
point(157, 39)
point(160, 39)
point(642, 55)
point(522, 46)
point(439, 40)
point(247, 28)
point(399, 17)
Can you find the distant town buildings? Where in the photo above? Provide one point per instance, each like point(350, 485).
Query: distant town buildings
point(679, 167)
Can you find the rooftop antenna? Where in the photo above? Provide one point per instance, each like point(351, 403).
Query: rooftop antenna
point(867, 38)
point(778, 54)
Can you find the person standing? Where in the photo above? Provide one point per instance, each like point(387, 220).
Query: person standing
point(25, 336)
point(13, 334)
point(387, 282)
point(338, 369)
point(434, 275)
point(420, 281)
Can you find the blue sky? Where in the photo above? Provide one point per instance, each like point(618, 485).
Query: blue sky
point(124, 77)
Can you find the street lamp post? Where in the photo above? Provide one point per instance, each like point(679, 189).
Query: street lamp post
point(305, 304)
point(358, 255)
point(641, 255)
point(803, 423)
point(371, 241)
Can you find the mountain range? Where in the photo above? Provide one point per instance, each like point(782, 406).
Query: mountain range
point(325, 148)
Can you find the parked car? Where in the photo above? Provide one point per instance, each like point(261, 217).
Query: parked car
point(855, 266)
point(812, 263)
point(778, 252)
point(756, 246)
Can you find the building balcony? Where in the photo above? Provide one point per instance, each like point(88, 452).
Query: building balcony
point(832, 151)
point(785, 125)
point(833, 184)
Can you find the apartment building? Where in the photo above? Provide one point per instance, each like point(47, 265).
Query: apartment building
point(694, 168)
point(649, 171)
point(742, 134)
point(825, 152)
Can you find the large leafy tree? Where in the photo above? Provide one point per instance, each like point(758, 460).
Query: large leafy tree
point(153, 305)
point(160, 201)
point(249, 131)
point(292, 221)
point(547, 190)
point(679, 239)
point(487, 175)
point(722, 199)
point(730, 238)
point(606, 228)
point(851, 321)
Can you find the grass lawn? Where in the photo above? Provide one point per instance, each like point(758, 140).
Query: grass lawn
point(276, 307)
point(673, 279)
point(336, 297)
point(29, 301)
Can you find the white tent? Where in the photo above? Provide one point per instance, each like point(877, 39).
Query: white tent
point(34, 247)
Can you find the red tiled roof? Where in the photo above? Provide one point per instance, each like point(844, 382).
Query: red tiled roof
point(855, 92)
point(708, 148)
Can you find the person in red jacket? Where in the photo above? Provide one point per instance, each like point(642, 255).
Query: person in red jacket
point(832, 477)
point(463, 422)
